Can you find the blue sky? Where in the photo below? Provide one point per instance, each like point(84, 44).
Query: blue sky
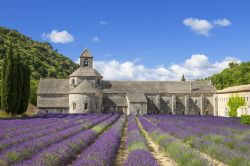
point(168, 35)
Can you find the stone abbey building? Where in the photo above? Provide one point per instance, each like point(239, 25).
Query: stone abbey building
point(86, 92)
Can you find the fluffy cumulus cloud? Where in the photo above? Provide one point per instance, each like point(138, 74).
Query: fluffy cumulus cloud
point(197, 66)
point(199, 26)
point(56, 36)
point(203, 27)
point(222, 22)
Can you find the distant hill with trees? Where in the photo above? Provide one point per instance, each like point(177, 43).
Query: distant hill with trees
point(43, 60)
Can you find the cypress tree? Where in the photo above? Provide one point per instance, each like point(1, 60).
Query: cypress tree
point(8, 88)
point(15, 81)
point(15, 84)
point(19, 85)
point(25, 89)
point(183, 78)
point(3, 103)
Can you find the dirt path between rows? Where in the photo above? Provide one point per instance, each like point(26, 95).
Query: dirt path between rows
point(161, 157)
point(122, 153)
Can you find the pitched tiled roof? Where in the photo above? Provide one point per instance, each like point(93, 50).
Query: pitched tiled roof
point(136, 98)
point(85, 87)
point(85, 71)
point(86, 54)
point(53, 102)
point(53, 86)
point(157, 87)
point(115, 101)
point(241, 88)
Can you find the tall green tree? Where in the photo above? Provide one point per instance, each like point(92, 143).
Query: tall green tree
point(183, 78)
point(8, 85)
point(19, 85)
point(3, 102)
point(234, 103)
point(16, 86)
point(25, 89)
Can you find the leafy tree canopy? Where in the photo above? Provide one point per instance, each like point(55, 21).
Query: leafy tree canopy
point(236, 74)
point(234, 103)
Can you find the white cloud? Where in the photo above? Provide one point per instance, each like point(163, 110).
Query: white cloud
point(103, 23)
point(95, 39)
point(222, 22)
point(197, 66)
point(203, 27)
point(199, 26)
point(59, 36)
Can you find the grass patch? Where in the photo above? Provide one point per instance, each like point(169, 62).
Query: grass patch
point(136, 146)
point(182, 155)
point(98, 128)
point(13, 156)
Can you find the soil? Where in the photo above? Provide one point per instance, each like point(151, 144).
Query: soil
point(122, 152)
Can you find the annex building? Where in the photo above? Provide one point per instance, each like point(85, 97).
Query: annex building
point(224, 95)
point(87, 92)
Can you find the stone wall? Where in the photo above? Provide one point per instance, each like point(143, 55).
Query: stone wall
point(52, 110)
point(195, 104)
point(137, 108)
point(93, 101)
point(222, 100)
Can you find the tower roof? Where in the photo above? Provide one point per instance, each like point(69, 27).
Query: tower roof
point(86, 54)
point(85, 87)
point(85, 71)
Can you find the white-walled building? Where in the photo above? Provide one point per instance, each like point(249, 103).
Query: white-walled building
point(224, 95)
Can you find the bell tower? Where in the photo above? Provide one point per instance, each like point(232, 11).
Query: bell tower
point(86, 59)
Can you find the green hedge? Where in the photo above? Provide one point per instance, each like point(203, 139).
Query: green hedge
point(245, 119)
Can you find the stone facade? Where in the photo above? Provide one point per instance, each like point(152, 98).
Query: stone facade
point(222, 97)
point(86, 92)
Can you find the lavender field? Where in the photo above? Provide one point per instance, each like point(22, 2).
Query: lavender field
point(114, 139)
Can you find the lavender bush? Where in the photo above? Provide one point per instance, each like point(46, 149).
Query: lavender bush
point(109, 143)
point(178, 151)
point(25, 150)
point(65, 151)
point(138, 153)
point(221, 138)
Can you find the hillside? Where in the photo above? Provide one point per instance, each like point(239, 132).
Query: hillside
point(44, 61)
point(236, 74)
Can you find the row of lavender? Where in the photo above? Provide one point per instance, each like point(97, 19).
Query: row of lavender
point(54, 144)
point(65, 151)
point(15, 127)
point(16, 137)
point(222, 138)
point(138, 153)
point(178, 151)
point(103, 151)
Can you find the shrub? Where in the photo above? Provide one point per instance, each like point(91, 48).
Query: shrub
point(234, 103)
point(245, 119)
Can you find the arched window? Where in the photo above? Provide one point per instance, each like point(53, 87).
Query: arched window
point(73, 81)
point(196, 101)
point(86, 106)
point(85, 62)
point(74, 106)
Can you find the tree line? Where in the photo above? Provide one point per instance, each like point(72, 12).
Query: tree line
point(15, 83)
